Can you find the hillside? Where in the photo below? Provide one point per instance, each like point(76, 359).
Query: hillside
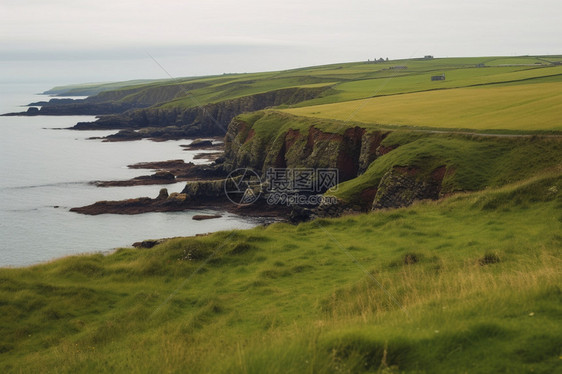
point(372, 160)
point(90, 89)
point(430, 288)
point(206, 105)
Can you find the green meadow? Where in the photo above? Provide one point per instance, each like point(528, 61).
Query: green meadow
point(343, 82)
point(468, 284)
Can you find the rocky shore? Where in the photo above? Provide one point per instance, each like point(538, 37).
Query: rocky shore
point(168, 172)
point(175, 202)
point(249, 142)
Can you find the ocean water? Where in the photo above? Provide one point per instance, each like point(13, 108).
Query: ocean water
point(45, 171)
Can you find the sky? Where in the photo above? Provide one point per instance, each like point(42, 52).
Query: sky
point(107, 40)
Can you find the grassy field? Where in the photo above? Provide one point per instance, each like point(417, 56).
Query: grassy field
point(469, 284)
point(88, 89)
point(514, 107)
point(518, 93)
point(349, 81)
point(355, 81)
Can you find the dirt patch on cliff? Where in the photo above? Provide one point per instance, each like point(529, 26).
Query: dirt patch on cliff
point(382, 150)
point(402, 185)
point(291, 137)
point(316, 136)
point(439, 173)
point(250, 136)
point(367, 196)
point(350, 151)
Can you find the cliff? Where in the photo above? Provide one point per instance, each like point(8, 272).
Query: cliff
point(172, 110)
point(174, 121)
point(381, 168)
point(113, 101)
point(275, 140)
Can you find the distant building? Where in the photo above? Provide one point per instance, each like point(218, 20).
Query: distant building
point(438, 77)
point(399, 67)
point(480, 65)
point(375, 61)
point(428, 57)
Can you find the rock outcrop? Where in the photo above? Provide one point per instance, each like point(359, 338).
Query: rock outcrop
point(162, 203)
point(349, 151)
point(168, 172)
point(401, 186)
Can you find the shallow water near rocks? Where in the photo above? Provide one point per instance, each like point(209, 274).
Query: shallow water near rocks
point(45, 172)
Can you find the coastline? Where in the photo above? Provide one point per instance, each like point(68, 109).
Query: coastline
point(44, 169)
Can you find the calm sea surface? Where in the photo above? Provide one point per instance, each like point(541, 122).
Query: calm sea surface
point(44, 172)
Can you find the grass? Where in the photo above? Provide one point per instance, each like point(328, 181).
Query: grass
point(88, 89)
point(391, 82)
point(472, 162)
point(349, 81)
point(521, 107)
point(469, 284)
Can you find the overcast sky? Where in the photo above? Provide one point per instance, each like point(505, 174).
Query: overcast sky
point(110, 39)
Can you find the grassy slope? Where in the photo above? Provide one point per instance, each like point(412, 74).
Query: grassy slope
point(350, 81)
point(358, 80)
point(88, 89)
point(461, 277)
point(473, 162)
point(388, 82)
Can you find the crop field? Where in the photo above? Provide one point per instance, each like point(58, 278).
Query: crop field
point(514, 107)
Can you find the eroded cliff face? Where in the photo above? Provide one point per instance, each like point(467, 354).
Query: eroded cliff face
point(349, 151)
point(274, 140)
point(370, 149)
point(207, 120)
point(401, 186)
point(111, 102)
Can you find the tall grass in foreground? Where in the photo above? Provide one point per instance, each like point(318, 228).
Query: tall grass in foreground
point(471, 284)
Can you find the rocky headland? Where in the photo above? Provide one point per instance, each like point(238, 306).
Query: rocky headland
point(254, 136)
point(143, 113)
point(292, 146)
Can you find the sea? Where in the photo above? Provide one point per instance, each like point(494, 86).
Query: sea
point(45, 170)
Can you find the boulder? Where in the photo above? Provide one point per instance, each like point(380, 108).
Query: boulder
point(200, 143)
point(163, 194)
point(201, 217)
